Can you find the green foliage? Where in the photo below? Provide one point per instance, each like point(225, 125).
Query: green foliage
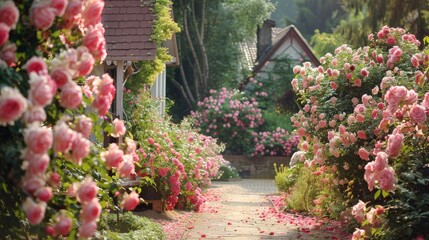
point(323, 43)
point(227, 172)
point(304, 191)
point(286, 177)
point(128, 226)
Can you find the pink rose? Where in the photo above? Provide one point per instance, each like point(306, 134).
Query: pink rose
point(151, 141)
point(34, 114)
point(80, 148)
point(126, 167)
point(87, 229)
point(36, 65)
point(59, 6)
point(381, 161)
point(84, 125)
point(44, 194)
point(86, 64)
point(12, 105)
point(32, 183)
point(130, 201)
point(358, 211)
point(394, 144)
point(102, 104)
point(8, 54)
point(87, 191)
point(95, 42)
point(113, 156)
point(411, 97)
point(90, 211)
point(36, 164)
point(163, 171)
point(358, 234)
point(63, 137)
point(42, 15)
point(63, 224)
point(61, 76)
point(106, 86)
point(4, 33)
point(35, 212)
point(387, 179)
point(131, 145)
point(9, 14)
point(41, 92)
point(418, 114)
point(118, 128)
point(71, 95)
point(92, 13)
point(54, 179)
point(363, 154)
point(38, 139)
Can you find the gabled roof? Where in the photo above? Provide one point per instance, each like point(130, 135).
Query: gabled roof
point(289, 36)
point(128, 25)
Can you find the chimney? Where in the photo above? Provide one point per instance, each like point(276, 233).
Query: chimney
point(264, 38)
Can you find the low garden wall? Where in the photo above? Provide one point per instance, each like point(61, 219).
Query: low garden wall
point(256, 167)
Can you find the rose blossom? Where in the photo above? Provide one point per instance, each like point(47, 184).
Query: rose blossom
point(126, 167)
point(59, 6)
point(358, 211)
point(63, 137)
point(9, 14)
point(358, 234)
point(92, 13)
point(54, 179)
point(131, 145)
point(394, 144)
point(44, 194)
point(130, 201)
point(38, 139)
point(87, 229)
point(86, 63)
point(42, 15)
point(71, 95)
point(4, 33)
point(418, 113)
point(34, 114)
point(30, 184)
point(363, 154)
point(61, 76)
point(387, 179)
point(95, 42)
point(80, 148)
point(113, 156)
point(90, 211)
point(41, 92)
point(35, 212)
point(36, 65)
point(84, 125)
point(12, 105)
point(118, 128)
point(63, 224)
point(8, 54)
point(381, 161)
point(87, 190)
point(35, 163)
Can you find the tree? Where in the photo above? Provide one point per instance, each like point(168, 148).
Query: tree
point(369, 16)
point(208, 44)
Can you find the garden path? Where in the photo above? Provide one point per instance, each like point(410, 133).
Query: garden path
point(246, 209)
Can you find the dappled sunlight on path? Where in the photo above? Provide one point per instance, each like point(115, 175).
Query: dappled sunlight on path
point(248, 209)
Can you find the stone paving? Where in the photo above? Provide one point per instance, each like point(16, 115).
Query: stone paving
point(239, 213)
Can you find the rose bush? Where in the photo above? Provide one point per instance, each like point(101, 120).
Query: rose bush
point(364, 118)
point(54, 180)
point(177, 159)
point(235, 119)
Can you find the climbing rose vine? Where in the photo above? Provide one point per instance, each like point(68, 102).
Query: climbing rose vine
point(49, 110)
point(364, 118)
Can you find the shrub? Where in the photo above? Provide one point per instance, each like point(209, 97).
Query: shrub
point(236, 120)
point(227, 172)
point(364, 117)
point(286, 177)
point(128, 226)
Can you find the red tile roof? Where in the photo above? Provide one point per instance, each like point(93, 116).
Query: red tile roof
point(128, 25)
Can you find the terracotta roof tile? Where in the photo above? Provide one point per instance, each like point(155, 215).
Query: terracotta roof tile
point(128, 25)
